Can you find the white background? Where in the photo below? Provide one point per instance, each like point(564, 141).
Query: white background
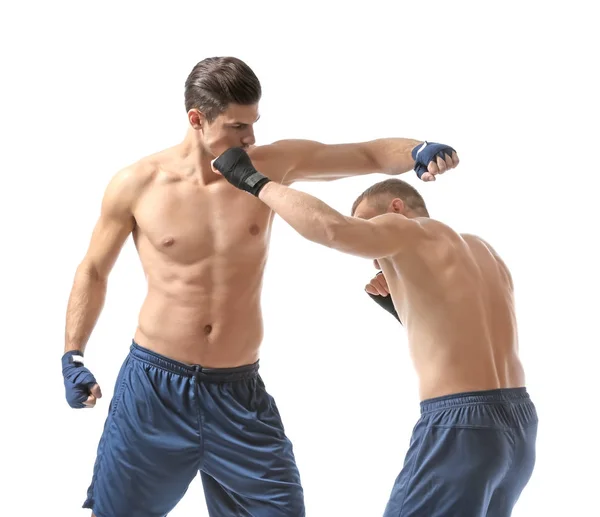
point(89, 87)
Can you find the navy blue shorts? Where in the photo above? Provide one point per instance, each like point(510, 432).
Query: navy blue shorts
point(470, 455)
point(168, 421)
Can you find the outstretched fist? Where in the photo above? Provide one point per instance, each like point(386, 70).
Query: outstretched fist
point(432, 159)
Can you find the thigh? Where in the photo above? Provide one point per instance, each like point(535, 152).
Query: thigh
point(248, 454)
point(450, 471)
point(221, 501)
point(150, 447)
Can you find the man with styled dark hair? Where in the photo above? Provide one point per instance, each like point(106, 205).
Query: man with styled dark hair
point(217, 82)
point(188, 397)
point(472, 451)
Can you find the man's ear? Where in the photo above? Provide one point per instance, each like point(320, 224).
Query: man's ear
point(398, 206)
point(197, 119)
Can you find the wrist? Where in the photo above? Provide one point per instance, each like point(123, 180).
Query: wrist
point(417, 148)
point(72, 357)
point(265, 189)
point(73, 350)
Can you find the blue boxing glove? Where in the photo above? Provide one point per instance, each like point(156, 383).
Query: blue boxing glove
point(80, 384)
point(426, 152)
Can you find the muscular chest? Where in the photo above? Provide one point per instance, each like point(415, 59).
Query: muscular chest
point(188, 222)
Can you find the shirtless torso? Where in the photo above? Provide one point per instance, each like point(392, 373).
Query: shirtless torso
point(453, 292)
point(203, 244)
point(203, 249)
point(473, 449)
point(455, 296)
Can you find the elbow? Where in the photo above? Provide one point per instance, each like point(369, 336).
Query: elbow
point(91, 273)
point(330, 233)
point(336, 232)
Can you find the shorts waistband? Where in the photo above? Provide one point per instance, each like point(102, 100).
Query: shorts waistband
point(504, 395)
point(193, 370)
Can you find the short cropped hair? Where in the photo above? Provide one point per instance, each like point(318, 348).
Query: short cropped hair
point(216, 82)
point(386, 190)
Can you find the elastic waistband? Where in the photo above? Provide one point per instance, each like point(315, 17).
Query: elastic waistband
point(193, 370)
point(505, 395)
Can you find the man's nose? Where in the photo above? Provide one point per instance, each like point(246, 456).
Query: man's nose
point(249, 139)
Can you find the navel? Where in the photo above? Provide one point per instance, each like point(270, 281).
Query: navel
point(207, 329)
point(254, 229)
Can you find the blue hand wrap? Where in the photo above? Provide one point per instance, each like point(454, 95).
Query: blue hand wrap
point(424, 153)
point(78, 379)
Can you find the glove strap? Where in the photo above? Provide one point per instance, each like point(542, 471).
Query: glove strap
point(417, 150)
point(73, 356)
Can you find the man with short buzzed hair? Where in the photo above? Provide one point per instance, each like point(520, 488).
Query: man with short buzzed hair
point(473, 450)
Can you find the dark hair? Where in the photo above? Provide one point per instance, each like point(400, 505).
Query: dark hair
point(216, 82)
point(395, 188)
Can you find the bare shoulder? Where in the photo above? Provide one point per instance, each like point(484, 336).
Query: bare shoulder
point(430, 237)
point(476, 240)
point(127, 185)
point(438, 230)
point(397, 227)
point(393, 220)
point(470, 239)
point(425, 228)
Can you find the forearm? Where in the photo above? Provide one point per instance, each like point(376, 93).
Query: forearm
point(392, 155)
point(84, 307)
point(309, 216)
point(313, 219)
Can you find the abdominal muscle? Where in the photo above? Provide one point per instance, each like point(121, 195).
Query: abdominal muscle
point(206, 313)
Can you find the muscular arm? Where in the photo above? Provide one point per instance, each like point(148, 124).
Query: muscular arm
point(288, 161)
point(110, 232)
point(379, 237)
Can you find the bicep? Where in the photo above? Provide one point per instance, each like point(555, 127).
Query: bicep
point(329, 162)
point(288, 161)
point(107, 240)
point(115, 223)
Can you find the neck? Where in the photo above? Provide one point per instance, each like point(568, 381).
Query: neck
point(412, 214)
point(197, 157)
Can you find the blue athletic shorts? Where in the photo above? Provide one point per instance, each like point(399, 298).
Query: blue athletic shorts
point(471, 455)
point(168, 421)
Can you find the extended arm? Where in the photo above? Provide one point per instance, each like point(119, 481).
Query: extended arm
point(381, 236)
point(288, 161)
